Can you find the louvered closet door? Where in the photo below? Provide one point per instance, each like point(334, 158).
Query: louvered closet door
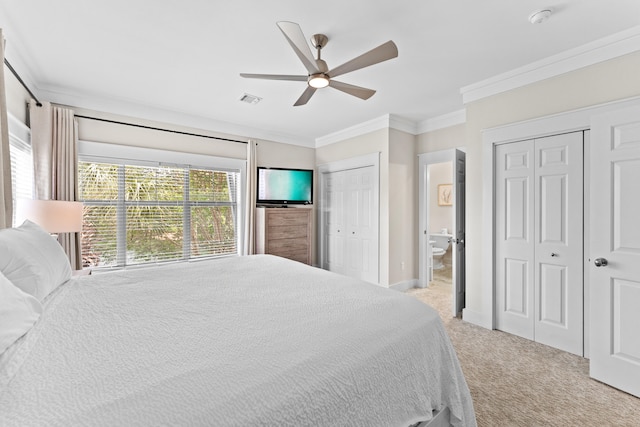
point(539, 240)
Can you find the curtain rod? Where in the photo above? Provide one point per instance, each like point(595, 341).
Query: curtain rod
point(159, 129)
point(39, 104)
point(24, 85)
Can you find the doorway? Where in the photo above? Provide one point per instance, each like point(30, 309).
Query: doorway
point(442, 222)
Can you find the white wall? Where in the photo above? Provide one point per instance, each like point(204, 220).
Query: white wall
point(403, 207)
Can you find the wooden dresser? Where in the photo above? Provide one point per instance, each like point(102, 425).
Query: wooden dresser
point(284, 232)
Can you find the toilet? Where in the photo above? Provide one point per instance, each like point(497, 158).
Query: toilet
point(440, 245)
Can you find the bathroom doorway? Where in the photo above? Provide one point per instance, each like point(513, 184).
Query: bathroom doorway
point(442, 222)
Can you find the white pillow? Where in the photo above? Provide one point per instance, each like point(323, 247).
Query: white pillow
point(33, 260)
point(18, 312)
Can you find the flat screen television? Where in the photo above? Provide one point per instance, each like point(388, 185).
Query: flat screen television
point(282, 186)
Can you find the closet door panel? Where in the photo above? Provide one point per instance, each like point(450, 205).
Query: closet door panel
point(559, 241)
point(362, 243)
point(335, 223)
point(514, 238)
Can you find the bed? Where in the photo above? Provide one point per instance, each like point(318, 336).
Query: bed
point(235, 341)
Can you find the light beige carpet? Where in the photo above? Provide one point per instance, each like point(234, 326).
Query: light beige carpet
point(517, 382)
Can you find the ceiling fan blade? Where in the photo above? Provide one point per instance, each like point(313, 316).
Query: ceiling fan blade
point(306, 95)
point(381, 53)
point(360, 92)
point(275, 77)
point(293, 33)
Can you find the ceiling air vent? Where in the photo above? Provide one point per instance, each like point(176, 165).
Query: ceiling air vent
point(250, 99)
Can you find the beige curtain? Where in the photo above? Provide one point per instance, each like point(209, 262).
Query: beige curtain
point(64, 170)
point(54, 142)
point(250, 200)
point(6, 199)
point(41, 142)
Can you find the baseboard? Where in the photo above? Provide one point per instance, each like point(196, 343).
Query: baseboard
point(404, 285)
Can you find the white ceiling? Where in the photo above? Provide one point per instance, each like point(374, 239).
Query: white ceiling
point(179, 61)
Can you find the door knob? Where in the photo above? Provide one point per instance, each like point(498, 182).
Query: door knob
point(600, 262)
point(553, 254)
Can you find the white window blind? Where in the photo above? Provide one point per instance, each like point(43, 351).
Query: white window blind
point(21, 162)
point(137, 214)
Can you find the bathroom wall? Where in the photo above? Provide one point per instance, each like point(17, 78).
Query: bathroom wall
point(439, 216)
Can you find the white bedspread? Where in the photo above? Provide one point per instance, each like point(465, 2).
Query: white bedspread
point(239, 341)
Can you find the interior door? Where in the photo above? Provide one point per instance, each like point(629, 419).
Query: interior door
point(361, 225)
point(458, 241)
point(334, 216)
point(515, 251)
point(558, 275)
point(615, 249)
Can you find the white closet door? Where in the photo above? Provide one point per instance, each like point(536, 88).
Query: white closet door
point(334, 227)
point(615, 249)
point(514, 269)
point(559, 242)
point(539, 240)
point(362, 225)
point(351, 223)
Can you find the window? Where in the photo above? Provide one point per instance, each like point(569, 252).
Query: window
point(141, 213)
point(21, 162)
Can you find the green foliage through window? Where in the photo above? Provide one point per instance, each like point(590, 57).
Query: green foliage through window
point(143, 214)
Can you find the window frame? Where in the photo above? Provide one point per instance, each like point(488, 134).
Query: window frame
point(122, 155)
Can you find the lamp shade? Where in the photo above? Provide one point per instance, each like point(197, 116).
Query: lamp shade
point(54, 216)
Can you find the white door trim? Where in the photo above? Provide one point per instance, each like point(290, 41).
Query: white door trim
point(577, 120)
point(425, 271)
point(372, 159)
point(424, 160)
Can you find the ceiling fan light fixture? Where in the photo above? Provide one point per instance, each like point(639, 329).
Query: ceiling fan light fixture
point(318, 81)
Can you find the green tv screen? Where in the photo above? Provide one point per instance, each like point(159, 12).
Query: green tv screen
point(285, 186)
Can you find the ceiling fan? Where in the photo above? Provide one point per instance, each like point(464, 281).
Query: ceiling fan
point(319, 74)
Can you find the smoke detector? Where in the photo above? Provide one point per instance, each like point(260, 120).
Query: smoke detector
point(539, 16)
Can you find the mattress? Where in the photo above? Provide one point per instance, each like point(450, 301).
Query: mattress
point(256, 340)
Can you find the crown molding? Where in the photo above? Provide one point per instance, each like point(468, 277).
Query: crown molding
point(391, 121)
point(443, 121)
point(402, 124)
point(609, 47)
point(372, 125)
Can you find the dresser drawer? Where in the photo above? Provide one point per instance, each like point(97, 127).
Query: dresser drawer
point(294, 231)
point(288, 219)
point(285, 246)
